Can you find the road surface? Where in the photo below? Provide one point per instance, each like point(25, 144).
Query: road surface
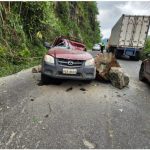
point(65, 116)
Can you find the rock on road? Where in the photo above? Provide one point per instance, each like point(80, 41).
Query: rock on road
point(97, 116)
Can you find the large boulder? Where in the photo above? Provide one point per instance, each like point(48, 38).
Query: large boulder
point(104, 62)
point(118, 77)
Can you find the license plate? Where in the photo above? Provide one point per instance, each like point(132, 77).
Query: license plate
point(69, 71)
point(129, 53)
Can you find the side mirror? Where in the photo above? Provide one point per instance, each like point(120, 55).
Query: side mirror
point(47, 45)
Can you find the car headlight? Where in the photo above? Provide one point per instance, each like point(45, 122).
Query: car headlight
point(49, 59)
point(90, 62)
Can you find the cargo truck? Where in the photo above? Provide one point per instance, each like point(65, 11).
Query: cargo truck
point(128, 36)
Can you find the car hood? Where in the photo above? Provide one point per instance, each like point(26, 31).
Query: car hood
point(60, 52)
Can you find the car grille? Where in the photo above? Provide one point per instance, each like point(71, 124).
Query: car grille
point(68, 62)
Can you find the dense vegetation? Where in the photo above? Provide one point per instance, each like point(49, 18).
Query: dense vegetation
point(146, 48)
point(24, 26)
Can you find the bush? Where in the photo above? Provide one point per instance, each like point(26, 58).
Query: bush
point(146, 49)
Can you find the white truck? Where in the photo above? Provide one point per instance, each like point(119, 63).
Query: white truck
point(128, 36)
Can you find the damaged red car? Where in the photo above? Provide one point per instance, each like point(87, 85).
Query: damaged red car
point(67, 59)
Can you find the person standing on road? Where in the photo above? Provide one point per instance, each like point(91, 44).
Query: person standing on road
point(102, 47)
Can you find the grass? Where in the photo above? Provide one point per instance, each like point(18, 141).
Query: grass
point(9, 68)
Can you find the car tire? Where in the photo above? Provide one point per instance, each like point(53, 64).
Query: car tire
point(141, 73)
point(44, 78)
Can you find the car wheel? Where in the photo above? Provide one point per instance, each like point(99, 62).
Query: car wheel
point(141, 73)
point(44, 78)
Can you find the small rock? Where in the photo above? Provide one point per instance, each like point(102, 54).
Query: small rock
point(23, 146)
point(127, 100)
point(7, 107)
point(40, 122)
point(88, 144)
point(111, 133)
point(46, 116)
point(34, 70)
point(1, 109)
point(43, 128)
point(69, 89)
point(121, 110)
point(118, 95)
point(82, 89)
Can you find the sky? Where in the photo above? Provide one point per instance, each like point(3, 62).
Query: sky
point(111, 11)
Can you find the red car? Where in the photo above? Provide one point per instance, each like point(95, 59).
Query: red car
point(67, 59)
point(145, 69)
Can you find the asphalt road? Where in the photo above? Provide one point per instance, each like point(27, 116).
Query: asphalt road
point(47, 116)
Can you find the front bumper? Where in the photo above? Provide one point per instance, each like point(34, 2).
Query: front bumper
point(56, 71)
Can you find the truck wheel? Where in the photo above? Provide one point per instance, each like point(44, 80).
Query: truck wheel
point(141, 73)
point(118, 54)
point(137, 56)
point(44, 78)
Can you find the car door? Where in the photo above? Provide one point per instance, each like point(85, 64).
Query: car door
point(147, 67)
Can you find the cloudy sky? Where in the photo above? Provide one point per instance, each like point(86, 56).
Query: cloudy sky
point(111, 11)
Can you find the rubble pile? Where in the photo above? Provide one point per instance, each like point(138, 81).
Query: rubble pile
point(108, 69)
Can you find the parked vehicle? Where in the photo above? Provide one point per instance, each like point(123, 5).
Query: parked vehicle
point(96, 47)
point(67, 59)
point(145, 69)
point(128, 36)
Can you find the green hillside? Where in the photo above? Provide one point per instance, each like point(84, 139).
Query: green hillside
point(24, 26)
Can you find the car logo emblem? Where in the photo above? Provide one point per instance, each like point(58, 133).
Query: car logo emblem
point(70, 63)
